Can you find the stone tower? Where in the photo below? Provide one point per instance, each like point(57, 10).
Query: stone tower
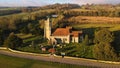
point(47, 28)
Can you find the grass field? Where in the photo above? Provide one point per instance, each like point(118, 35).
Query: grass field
point(81, 10)
point(97, 19)
point(12, 8)
point(24, 15)
point(112, 27)
point(13, 62)
point(113, 23)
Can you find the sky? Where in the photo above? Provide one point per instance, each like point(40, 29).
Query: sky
point(46, 2)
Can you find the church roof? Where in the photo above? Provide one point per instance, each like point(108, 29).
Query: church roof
point(61, 32)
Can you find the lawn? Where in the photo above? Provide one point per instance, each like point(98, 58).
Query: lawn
point(13, 62)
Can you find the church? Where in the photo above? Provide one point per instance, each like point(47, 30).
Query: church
point(61, 35)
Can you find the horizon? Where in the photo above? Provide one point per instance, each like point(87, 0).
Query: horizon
point(26, 3)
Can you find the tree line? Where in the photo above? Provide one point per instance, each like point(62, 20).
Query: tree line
point(58, 6)
point(28, 23)
point(106, 13)
point(8, 12)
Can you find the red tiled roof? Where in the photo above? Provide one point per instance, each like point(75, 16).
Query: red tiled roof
point(76, 33)
point(61, 32)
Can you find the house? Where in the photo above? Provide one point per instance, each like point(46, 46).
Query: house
point(61, 35)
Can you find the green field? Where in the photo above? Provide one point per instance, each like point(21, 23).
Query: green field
point(12, 8)
point(112, 27)
point(13, 62)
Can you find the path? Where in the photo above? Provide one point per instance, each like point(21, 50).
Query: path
point(68, 60)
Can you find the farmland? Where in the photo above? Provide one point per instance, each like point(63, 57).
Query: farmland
point(113, 23)
point(28, 26)
point(112, 27)
point(9, 11)
point(96, 20)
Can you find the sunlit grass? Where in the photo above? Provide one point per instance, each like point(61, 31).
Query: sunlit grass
point(24, 36)
point(112, 27)
point(96, 19)
point(13, 62)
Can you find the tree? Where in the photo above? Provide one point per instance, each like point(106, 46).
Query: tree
point(13, 41)
point(25, 30)
point(12, 24)
point(103, 49)
point(86, 40)
point(33, 17)
point(1, 37)
point(117, 13)
point(33, 44)
point(30, 26)
point(103, 35)
point(37, 30)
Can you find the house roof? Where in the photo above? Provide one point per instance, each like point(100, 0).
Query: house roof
point(61, 32)
point(76, 33)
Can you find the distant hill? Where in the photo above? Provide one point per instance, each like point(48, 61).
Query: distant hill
point(9, 10)
point(100, 6)
point(61, 6)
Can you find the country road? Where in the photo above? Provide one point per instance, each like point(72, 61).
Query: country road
point(76, 61)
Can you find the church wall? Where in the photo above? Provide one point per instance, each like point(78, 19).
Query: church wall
point(75, 39)
point(65, 39)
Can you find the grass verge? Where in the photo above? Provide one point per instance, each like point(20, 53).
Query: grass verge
point(14, 62)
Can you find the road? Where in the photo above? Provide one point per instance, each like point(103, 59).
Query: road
point(67, 60)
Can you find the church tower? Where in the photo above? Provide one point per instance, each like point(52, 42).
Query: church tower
point(47, 28)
